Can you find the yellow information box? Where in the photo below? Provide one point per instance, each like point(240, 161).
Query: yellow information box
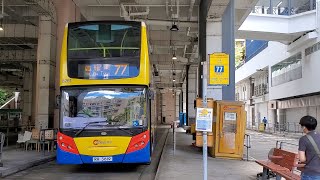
point(228, 129)
point(230, 119)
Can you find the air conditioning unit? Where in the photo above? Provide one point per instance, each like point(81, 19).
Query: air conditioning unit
point(273, 105)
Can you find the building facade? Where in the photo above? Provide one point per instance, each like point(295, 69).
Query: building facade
point(280, 81)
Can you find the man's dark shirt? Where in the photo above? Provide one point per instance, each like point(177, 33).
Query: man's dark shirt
point(313, 160)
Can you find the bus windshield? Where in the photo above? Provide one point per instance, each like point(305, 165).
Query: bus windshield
point(96, 48)
point(111, 107)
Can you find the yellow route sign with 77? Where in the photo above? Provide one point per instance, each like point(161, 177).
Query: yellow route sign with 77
point(219, 69)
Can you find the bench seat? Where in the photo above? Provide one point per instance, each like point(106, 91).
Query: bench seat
point(281, 163)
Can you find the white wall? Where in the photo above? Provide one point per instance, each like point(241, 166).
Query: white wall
point(169, 107)
point(306, 85)
point(276, 28)
point(261, 111)
point(295, 114)
point(315, 112)
point(274, 53)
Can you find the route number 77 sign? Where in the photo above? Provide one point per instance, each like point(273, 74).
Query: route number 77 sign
point(218, 69)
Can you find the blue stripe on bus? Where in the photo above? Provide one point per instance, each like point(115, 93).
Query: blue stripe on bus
point(140, 156)
point(64, 157)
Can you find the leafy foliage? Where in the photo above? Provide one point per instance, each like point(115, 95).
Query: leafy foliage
point(4, 96)
point(240, 49)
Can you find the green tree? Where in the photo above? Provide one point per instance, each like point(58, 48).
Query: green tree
point(4, 96)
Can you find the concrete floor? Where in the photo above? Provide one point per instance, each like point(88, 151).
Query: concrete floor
point(186, 164)
point(261, 143)
point(15, 160)
point(53, 171)
point(58, 172)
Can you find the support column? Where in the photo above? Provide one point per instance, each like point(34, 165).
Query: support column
point(228, 92)
point(67, 11)
point(46, 54)
point(318, 15)
point(159, 107)
point(27, 97)
point(169, 106)
point(214, 44)
point(177, 96)
point(184, 96)
point(281, 117)
point(220, 38)
point(192, 94)
point(272, 118)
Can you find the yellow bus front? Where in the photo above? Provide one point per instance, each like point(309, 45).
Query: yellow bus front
point(104, 79)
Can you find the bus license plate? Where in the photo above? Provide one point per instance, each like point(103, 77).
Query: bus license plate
point(102, 159)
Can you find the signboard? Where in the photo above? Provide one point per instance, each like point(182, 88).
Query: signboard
point(204, 119)
point(219, 69)
point(229, 116)
point(106, 71)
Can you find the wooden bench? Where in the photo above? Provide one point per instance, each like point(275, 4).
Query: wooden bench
point(280, 162)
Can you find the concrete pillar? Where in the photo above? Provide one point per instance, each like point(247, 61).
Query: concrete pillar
point(168, 106)
point(158, 106)
point(214, 44)
point(177, 95)
point(272, 117)
point(45, 72)
point(192, 94)
point(220, 38)
point(318, 15)
point(27, 97)
point(184, 96)
point(34, 86)
point(67, 11)
point(228, 92)
point(281, 117)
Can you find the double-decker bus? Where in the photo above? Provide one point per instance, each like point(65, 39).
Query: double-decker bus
point(105, 104)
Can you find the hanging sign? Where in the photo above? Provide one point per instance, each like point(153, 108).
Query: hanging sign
point(218, 69)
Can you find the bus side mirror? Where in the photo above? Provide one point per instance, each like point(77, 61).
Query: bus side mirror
point(58, 101)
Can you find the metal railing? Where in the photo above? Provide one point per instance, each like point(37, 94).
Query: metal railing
point(247, 144)
point(284, 7)
point(289, 127)
point(283, 142)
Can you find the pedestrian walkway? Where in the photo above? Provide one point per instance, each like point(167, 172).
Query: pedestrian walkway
point(186, 163)
point(261, 143)
point(15, 160)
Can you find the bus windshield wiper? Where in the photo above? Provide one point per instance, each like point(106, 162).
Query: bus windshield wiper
point(124, 130)
point(94, 122)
